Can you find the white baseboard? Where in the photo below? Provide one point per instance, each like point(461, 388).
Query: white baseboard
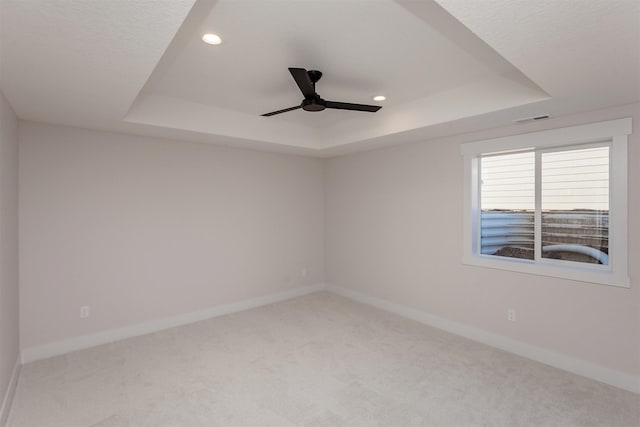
point(57, 348)
point(577, 366)
point(580, 367)
point(8, 396)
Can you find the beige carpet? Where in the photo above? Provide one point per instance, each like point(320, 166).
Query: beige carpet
point(318, 360)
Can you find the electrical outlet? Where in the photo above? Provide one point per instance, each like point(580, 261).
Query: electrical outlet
point(84, 311)
point(511, 315)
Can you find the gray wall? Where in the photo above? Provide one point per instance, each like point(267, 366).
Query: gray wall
point(9, 344)
point(141, 228)
point(394, 220)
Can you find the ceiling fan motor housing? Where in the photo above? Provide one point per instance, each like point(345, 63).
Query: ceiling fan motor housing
point(313, 104)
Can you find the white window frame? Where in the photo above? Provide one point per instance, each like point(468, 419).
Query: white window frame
point(613, 132)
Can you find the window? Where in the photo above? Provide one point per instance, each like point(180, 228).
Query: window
point(550, 203)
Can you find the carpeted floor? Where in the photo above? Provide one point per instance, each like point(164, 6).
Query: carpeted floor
point(317, 360)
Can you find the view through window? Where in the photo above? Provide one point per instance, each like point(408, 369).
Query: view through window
point(573, 201)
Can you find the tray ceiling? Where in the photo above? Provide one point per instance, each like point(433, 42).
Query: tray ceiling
point(444, 66)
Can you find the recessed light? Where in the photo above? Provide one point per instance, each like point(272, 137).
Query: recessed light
point(211, 38)
point(379, 98)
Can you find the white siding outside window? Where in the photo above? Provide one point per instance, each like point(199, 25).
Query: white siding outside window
point(507, 204)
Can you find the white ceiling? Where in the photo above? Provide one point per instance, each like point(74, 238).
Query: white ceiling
point(446, 66)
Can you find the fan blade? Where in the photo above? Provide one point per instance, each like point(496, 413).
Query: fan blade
point(273, 113)
point(304, 82)
point(353, 107)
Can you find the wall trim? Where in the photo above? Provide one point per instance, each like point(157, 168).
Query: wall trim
point(57, 348)
point(557, 360)
point(10, 392)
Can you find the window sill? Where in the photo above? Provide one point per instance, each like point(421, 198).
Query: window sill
point(602, 277)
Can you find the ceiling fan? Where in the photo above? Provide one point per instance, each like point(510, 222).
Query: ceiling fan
point(306, 81)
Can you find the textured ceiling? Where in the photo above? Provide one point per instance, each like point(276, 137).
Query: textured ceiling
point(81, 62)
point(446, 66)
